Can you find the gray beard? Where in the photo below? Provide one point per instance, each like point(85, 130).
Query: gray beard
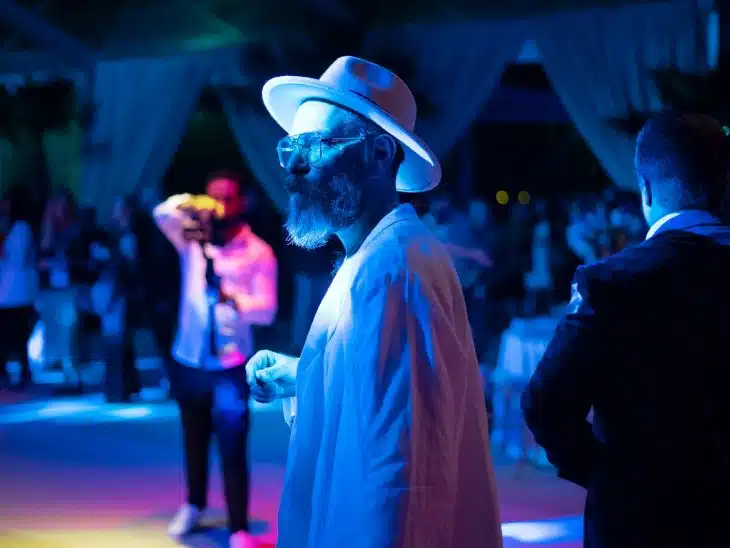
point(310, 224)
point(307, 229)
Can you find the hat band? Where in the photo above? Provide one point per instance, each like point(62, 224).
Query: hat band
point(369, 100)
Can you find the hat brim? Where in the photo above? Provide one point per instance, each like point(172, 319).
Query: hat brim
point(420, 170)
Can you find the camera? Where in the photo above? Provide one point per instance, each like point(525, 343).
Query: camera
point(206, 227)
point(198, 228)
point(202, 214)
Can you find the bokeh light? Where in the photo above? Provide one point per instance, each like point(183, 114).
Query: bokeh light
point(523, 197)
point(502, 197)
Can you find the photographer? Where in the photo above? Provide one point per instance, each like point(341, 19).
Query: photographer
point(228, 284)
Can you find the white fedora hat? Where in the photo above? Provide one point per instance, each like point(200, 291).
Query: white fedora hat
point(372, 92)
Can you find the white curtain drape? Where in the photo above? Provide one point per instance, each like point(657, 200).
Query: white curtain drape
point(455, 66)
point(257, 135)
point(600, 64)
point(62, 151)
point(143, 106)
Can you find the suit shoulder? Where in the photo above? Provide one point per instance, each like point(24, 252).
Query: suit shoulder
point(633, 261)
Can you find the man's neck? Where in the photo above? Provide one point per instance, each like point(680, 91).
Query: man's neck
point(354, 235)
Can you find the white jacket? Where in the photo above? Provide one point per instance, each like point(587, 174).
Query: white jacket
point(389, 447)
point(18, 271)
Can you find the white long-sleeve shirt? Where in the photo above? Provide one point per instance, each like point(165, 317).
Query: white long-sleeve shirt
point(248, 271)
point(389, 446)
point(18, 270)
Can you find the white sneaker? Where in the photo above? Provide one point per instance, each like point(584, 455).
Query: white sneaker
point(186, 519)
point(242, 540)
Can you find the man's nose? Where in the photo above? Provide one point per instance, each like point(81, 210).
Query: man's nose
point(297, 165)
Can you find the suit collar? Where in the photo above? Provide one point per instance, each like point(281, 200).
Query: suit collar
point(682, 220)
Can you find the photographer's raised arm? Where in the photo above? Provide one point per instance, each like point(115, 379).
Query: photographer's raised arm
point(259, 306)
point(170, 219)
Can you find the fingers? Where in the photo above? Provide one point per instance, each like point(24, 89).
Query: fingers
point(179, 200)
point(251, 371)
point(272, 373)
point(261, 360)
point(261, 394)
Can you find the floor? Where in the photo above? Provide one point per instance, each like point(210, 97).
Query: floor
point(76, 472)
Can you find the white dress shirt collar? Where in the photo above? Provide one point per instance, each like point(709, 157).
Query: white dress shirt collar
point(689, 218)
point(661, 222)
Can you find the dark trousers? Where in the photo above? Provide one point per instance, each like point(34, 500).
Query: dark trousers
point(122, 378)
point(215, 402)
point(162, 321)
point(17, 327)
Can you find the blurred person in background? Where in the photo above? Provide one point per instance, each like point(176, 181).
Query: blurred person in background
point(539, 280)
point(643, 344)
point(473, 256)
point(476, 276)
point(437, 213)
point(588, 233)
point(160, 278)
point(229, 283)
point(466, 236)
point(63, 262)
point(19, 283)
point(598, 229)
point(89, 327)
point(627, 227)
point(512, 257)
point(464, 233)
point(119, 299)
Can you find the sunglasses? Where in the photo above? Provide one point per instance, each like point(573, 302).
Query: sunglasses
point(309, 146)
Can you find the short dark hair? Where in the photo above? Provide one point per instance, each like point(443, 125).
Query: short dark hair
point(684, 157)
point(360, 122)
point(225, 174)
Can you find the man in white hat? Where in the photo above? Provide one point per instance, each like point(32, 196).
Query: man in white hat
point(389, 444)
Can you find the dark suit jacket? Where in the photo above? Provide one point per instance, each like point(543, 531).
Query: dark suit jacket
point(645, 343)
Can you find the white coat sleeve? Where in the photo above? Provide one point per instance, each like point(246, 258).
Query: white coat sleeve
point(169, 220)
point(404, 408)
point(17, 251)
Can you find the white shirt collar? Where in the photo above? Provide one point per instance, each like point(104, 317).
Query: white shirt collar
point(661, 222)
point(690, 217)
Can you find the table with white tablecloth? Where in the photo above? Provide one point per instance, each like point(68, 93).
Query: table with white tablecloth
point(522, 346)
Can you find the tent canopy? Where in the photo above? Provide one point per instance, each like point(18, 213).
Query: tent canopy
point(173, 49)
point(76, 30)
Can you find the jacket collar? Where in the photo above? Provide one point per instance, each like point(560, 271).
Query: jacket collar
point(682, 220)
point(403, 212)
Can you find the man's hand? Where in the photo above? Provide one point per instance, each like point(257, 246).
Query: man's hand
point(202, 206)
point(198, 213)
point(271, 376)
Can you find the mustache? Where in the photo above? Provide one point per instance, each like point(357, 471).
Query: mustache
point(292, 183)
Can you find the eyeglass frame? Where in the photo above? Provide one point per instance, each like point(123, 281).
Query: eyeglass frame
point(293, 142)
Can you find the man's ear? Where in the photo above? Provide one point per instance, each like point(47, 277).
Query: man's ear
point(645, 189)
point(384, 150)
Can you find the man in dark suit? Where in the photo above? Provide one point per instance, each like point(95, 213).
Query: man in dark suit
point(645, 343)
